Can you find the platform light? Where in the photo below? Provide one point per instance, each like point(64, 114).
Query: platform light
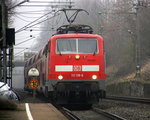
point(60, 77)
point(94, 77)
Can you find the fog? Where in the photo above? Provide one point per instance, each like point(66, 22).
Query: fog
point(118, 22)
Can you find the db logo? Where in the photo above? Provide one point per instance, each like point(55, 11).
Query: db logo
point(77, 68)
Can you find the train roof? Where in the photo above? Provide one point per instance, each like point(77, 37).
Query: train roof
point(74, 28)
point(74, 35)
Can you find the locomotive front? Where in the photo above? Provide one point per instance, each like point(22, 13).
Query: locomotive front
point(76, 68)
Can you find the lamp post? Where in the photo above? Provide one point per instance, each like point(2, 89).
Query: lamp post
point(140, 4)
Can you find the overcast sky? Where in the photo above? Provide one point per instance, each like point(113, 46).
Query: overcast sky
point(24, 16)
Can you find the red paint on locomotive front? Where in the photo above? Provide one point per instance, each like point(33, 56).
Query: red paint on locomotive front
point(70, 62)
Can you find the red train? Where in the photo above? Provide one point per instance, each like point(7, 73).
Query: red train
point(71, 66)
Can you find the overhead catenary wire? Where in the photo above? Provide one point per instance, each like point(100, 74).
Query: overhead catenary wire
point(18, 4)
point(52, 6)
point(23, 37)
point(21, 48)
point(36, 24)
point(17, 54)
point(30, 12)
point(32, 22)
point(27, 13)
point(25, 41)
point(26, 16)
point(22, 18)
point(52, 2)
point(40, 30)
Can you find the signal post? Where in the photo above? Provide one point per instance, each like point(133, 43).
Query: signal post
point(33, 84)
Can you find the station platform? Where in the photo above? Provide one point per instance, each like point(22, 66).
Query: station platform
point(33, 111)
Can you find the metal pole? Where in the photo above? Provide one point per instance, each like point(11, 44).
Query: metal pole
point(0, 65)
point(34, 93)
point(34, 90)
point(4, 40)
point(137, 45)
point(11, 66)
point(140, 5)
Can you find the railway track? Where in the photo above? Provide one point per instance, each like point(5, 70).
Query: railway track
point(69, 114)
point(129, 110)
point(92, 114)
point(5, 117)
point(107, 114)
point(129, 99)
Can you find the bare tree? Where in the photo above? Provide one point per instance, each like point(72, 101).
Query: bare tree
point(115, 20)
point(10, 12)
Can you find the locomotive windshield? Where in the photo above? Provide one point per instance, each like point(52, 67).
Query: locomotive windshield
point(77, 46)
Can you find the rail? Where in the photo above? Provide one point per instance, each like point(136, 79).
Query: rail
point(93, 113)
point(129, 99)
point(107, 114)
point(69, 114)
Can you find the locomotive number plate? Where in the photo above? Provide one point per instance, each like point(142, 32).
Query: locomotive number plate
point(77, 68)
point(77, 75)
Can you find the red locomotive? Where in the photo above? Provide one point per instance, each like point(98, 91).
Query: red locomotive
point(71, 66)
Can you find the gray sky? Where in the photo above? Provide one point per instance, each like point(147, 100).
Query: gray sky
point(24, 16)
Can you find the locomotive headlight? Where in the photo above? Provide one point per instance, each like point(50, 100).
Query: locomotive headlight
point(94, 77)
point(77, 57)
point(60, 77)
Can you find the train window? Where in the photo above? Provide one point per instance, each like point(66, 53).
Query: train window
point(45, 50)
point(41, 53)
point(26, 64)
point(77, 46)
point(88, 46)
point(38, 55)
point(34, 58)
point(30, 61)
point(66, 46)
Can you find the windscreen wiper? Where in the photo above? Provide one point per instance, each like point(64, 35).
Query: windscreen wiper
point(58, 49)
point(95, 50)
